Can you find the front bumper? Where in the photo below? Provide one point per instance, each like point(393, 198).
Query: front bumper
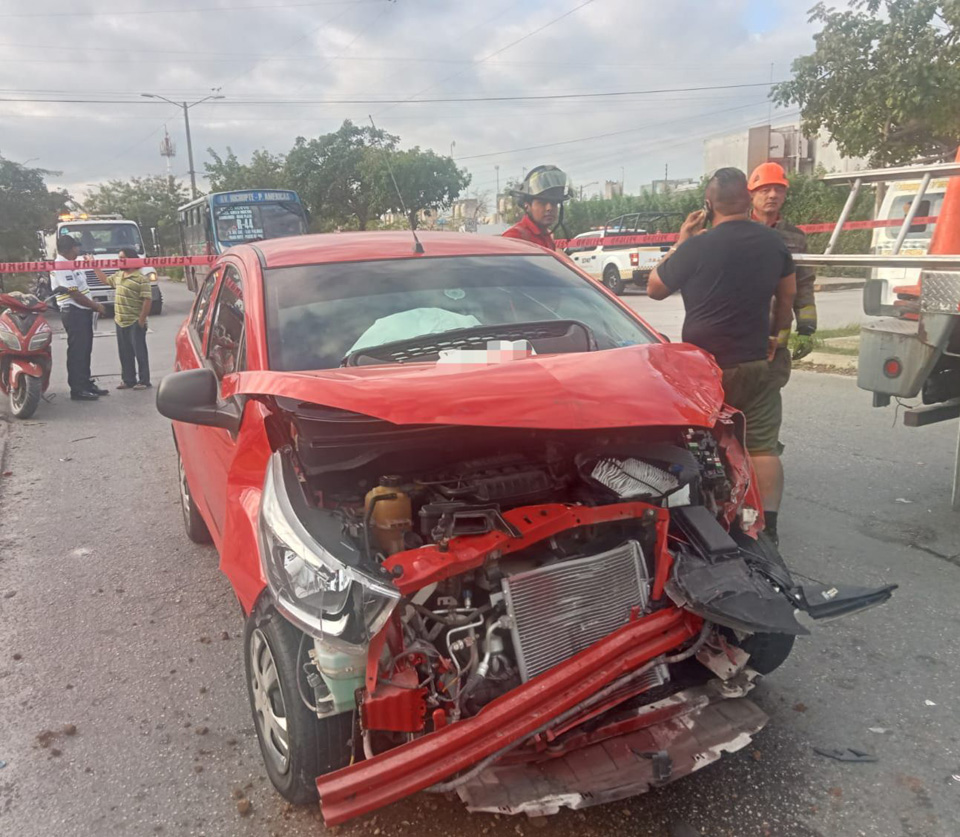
point(400, 772)
point(658, 744)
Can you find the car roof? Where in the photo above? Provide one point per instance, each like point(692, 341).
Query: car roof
point(386, 244)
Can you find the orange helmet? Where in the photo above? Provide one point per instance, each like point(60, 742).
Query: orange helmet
point(767, 174)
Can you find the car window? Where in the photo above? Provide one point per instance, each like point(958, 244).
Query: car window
point(201, 308)
point(225, 346)
point(317, 314)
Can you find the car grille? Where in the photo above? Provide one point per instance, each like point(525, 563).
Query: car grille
point(559, 610)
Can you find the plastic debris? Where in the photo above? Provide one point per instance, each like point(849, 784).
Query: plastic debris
point(878, 730)
point(903, 500)
point(929, 703)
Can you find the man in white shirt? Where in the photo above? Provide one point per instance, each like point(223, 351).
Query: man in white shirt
point(76, 313)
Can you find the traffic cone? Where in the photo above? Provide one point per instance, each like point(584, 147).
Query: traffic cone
point(946, 234)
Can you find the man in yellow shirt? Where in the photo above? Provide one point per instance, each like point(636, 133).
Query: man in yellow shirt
point(131, 306)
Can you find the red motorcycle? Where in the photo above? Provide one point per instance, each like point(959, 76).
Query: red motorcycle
point(25, 357)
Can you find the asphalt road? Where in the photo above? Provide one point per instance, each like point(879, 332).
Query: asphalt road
point(835, 309)
point(112, 621)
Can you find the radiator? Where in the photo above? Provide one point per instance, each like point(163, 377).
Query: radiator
point(559, 610)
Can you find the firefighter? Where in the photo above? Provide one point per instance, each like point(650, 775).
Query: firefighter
point(768, 190)
point(541, 195)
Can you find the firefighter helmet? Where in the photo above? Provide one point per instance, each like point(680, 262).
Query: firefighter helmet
point(547, 183)
point(767, 174)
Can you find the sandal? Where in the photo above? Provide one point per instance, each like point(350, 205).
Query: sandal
point(125, 386)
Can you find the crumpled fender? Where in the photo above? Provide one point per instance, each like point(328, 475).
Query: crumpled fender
point(657, 384)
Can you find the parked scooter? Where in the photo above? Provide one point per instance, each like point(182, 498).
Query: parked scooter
point(25, 352)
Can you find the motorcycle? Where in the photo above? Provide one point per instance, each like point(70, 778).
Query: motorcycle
point(25, 352)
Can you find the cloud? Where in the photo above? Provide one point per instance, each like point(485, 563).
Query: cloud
point(258, 51)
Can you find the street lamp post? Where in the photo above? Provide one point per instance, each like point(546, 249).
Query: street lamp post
point(186, 123)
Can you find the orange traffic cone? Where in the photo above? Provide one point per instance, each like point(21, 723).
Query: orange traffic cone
point(946, 235)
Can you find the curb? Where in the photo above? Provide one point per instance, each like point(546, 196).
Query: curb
point(4, 435)
point(852, 285)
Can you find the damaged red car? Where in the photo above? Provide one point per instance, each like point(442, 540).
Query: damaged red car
point(490, 531)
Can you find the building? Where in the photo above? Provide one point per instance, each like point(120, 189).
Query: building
point(612, 189)
point(783, 144)
point(661, 187)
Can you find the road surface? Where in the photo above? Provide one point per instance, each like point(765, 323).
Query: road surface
point(835, 309)
point(112, 621)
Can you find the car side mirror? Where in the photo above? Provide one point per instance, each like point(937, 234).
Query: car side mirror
point(191, 397)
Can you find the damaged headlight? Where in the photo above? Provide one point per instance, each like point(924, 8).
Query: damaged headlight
point(312, 587)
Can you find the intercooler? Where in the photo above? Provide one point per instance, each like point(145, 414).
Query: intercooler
point(559, 610)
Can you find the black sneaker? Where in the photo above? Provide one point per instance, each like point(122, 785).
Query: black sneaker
point(95, 390)
point(84, 396)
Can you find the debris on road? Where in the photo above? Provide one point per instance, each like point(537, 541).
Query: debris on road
point(929, 703)
point(847, 754)
point(244, 807)
point(904, 500)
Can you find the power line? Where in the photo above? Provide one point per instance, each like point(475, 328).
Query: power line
point(234, 100)
point(192, 9)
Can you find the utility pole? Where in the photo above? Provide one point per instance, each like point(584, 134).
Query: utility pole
point(186, 123)
point(496, 214)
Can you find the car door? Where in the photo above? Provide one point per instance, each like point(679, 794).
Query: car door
point(225, 354)
point(191, 342)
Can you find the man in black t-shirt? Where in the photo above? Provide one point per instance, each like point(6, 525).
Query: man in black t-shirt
point(727, 277)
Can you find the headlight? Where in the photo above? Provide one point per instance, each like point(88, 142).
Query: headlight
point(41, 339)
point(9, 338)
point(317, 591)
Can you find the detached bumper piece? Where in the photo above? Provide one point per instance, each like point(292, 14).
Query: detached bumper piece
point(412, 767)
point(706, 725)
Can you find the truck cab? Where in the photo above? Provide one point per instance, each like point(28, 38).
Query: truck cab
point(102, 236)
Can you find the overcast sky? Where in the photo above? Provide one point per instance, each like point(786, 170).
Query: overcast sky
point(272, 61)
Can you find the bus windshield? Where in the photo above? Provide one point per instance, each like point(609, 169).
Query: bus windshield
point(237, 223)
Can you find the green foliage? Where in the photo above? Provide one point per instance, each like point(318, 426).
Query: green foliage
point(884, 79)
point(336, 175)
point(264, 171)
point(150, 201)
point(342, 176)
point(424, 179)
point(26, 205)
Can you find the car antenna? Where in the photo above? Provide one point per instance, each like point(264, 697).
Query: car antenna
point(417, 246)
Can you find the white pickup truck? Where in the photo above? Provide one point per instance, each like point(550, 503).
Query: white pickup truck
point(616, 264)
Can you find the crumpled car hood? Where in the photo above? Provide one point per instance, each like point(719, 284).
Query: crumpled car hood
point(637, 386)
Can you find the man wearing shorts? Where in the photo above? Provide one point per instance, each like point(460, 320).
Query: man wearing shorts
point(728, 276)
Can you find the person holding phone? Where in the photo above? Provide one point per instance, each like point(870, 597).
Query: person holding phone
point(731, 277)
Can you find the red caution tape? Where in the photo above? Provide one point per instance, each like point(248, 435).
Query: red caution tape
point(108, 264)
point(580, 243)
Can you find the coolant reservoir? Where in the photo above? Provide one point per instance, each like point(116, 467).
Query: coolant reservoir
point(390, 517)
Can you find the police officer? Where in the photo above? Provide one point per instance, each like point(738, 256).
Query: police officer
point(76, 313)
point(541, 195)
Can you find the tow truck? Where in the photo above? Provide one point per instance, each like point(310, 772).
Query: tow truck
point(912, 349)
point(612, 256)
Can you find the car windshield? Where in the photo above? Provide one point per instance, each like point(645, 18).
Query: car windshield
point(317, 314)
point(257, 221)
point(103, 238)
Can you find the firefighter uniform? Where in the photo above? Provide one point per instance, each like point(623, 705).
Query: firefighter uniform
point(526, 230)
point(804, 305)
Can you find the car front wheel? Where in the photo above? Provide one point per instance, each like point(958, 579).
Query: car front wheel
point(296, 745)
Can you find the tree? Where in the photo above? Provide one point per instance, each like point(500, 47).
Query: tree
point(425, 179)
point(884, 79)
point(264, 171)
point(150, 201)
point(337, 174)
point(26, 206)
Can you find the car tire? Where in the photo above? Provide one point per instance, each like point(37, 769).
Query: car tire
point(767, 651)
point(296, 745)
point(611, 278)
point(197, 530)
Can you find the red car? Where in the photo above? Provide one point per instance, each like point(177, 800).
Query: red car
point(492, 533)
